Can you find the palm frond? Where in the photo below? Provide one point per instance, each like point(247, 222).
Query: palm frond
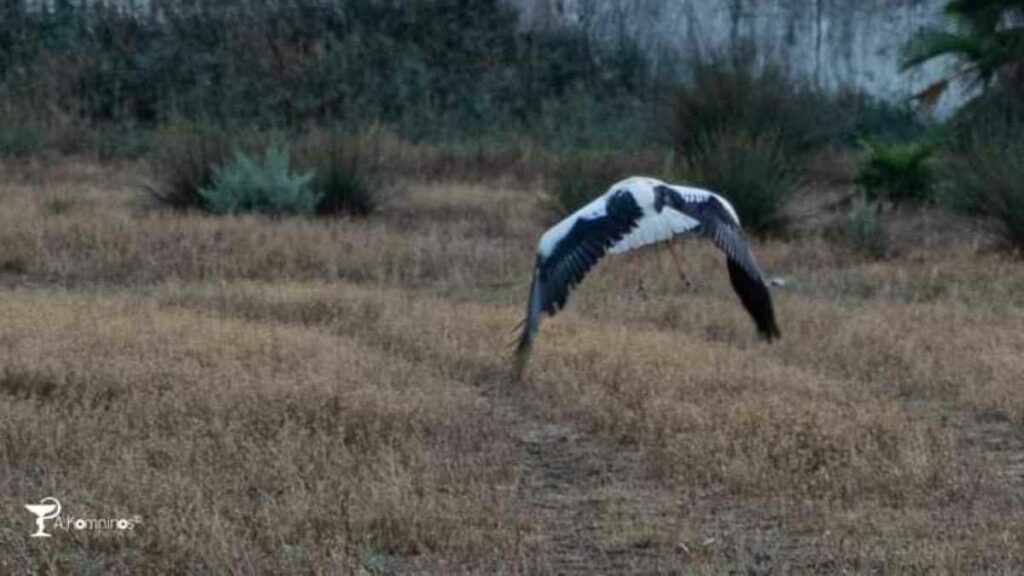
point(931, 44)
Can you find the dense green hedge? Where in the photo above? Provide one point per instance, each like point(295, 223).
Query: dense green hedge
point(433, 68)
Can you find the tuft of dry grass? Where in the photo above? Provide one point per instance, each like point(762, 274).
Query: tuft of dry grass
point(294, 397)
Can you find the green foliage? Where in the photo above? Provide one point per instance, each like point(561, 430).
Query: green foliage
point(735, 93)
point(863, 229)
point(898, 173)
point(998, 112)
point(265, 186)
point(743, 128)
point(987, 174)
point(754, 173)
point(851, 115)
point(988, 42)
point(999, 107)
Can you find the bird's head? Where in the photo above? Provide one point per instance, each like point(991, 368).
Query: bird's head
point(661, 197)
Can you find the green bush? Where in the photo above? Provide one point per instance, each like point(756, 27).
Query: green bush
point(754, 173)
point(265, 186)
point(988, 175)
point(898, 173)
point(863, 229)
point(986, 41)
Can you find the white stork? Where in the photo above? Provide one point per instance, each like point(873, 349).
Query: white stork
point(633, 213)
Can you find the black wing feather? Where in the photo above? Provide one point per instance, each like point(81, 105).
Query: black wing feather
point(588, 241)
point(717, 225)
point(756, 299)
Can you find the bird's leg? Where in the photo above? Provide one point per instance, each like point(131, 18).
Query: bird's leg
point(638, 268)
point(687, 285)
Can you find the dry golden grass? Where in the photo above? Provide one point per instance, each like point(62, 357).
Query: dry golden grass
point(333, 397)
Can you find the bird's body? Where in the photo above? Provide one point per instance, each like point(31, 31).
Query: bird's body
point(633, 213)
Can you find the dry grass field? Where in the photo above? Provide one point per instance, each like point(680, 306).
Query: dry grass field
point(300, 396)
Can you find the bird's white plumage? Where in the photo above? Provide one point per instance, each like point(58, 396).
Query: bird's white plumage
point(552, 237)
point(653, 227)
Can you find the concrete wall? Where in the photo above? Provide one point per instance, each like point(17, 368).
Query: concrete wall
point(836, 43)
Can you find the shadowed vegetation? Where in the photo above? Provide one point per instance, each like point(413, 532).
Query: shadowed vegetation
point(754, 172)
point(898, 173)
point(987, 176)
point(440, 71)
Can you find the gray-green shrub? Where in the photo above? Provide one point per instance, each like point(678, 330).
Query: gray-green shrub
point(262, 185)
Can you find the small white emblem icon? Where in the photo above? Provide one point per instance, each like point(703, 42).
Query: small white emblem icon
point(47, 509)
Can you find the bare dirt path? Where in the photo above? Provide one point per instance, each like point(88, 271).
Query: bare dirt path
point(589, 506)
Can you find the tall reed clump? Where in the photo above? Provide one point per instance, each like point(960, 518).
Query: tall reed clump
point(754, 172)
point(983, 161)
point(576, 178)
point(349, 176)
point(742, 129)
point(185, 161)
point(988, 175)
point(736, 94)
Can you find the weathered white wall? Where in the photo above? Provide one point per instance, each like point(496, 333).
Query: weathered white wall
point(836, 43)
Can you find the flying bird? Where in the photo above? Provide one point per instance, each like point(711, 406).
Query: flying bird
point(633, 213)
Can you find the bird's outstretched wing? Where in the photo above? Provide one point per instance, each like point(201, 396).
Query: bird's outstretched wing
point(718, 224)
point(582, 239)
